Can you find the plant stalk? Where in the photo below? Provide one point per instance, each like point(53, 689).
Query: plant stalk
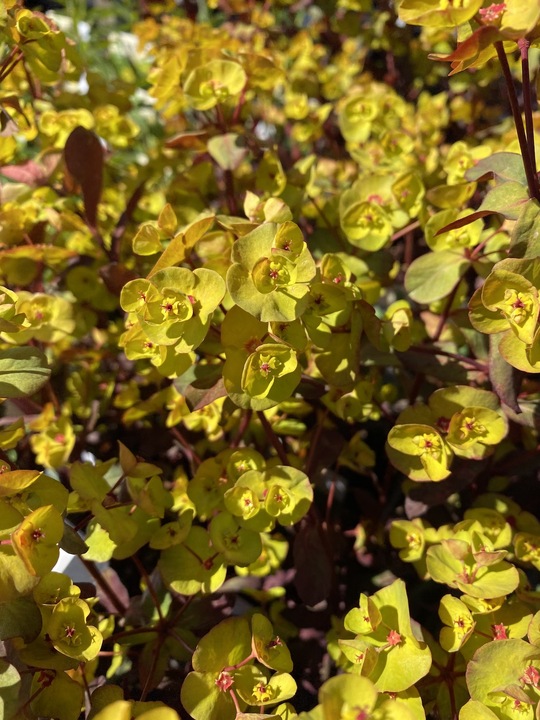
point(532, 180)
point(271, 435)
point(524, 45)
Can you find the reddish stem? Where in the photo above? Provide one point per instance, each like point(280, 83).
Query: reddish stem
point(532, 180)
point(271, 435)
point(149, 585)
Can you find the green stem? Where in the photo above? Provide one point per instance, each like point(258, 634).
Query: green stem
point(532, 181)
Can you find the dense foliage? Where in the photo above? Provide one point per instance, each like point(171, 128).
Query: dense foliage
point(269, 344)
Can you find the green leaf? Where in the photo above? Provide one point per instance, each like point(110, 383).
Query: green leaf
point(72, 542)
point(267, 646)
point(20, 618)
point(520, 18)
point(54, 587)
point(515, 352)
point(482, 319)
point(474, 710)
point(404, 663)
point(178, 248)
point(506, 199)
point(213, 83)
point(59, 696)
point(161, 713)
point(117, 710)
point(23, 371)
point(194, 566)
point(10, 681)
point(515, 297)
point(475, 426)
point(167, 220)
point(419, 451)
point(434, 275)
point(504, 166)
point(69, 633)
point(228, 150)
point(203, 700)
point(363, 619)
point(255, 688)
point(147, 240)
point(497, 665)
point(269, 277)
point(238, 545)
point(437, 14)
point(99, 543)
point(344, 692)
point(526, 233)
point(458, 621)
point(88, 481)
point(225, 645)
point(37, 537)
point(454, 564)
point(13, 482)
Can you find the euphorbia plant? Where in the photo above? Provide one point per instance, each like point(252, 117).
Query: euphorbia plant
point(266, 338)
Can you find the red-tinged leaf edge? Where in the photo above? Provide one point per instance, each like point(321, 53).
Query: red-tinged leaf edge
point(469, 48)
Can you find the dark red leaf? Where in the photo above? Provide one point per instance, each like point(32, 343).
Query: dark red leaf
point(84, 155)
point(465, 221)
